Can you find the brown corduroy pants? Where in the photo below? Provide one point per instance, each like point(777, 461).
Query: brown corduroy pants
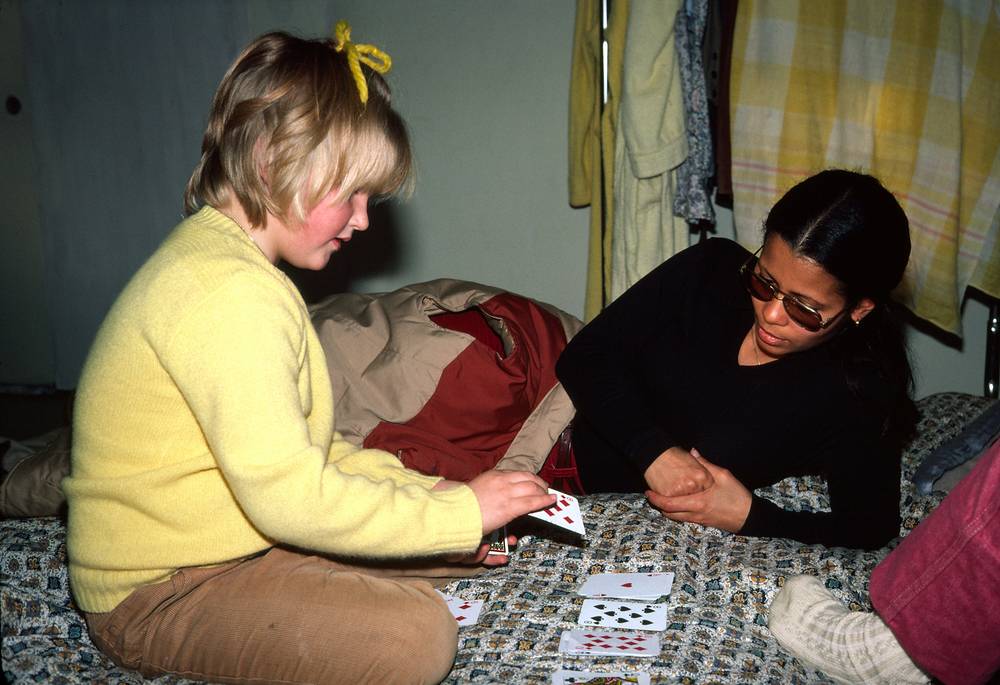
point(286, 617)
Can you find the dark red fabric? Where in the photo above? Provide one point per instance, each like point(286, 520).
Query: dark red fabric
point(939, 590)
point(723, 134)
point(471, 322)
point(483, 397)
point(559, 469)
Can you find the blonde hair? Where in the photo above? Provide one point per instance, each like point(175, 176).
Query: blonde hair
point(287, 126)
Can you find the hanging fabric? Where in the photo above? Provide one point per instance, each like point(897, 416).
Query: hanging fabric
point(591, 137)
point(909, 92)
point(650, 143)
point(718, 53)
point(693, 201)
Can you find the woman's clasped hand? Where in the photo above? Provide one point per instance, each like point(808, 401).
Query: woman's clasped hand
point(709, 495)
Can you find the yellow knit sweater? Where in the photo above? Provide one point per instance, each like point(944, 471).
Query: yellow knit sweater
point(204, 432)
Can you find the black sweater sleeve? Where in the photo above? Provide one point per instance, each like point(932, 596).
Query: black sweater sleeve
point(862, 476)
point(602, 366)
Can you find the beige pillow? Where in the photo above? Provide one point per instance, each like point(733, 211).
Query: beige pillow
point(33, 486)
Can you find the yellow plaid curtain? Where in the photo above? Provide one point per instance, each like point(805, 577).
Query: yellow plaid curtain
point(907, 90)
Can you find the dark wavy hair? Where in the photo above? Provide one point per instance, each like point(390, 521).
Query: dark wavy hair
point(854, 228)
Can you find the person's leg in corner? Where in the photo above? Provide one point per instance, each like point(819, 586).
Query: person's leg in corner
point(939, 590)
point(937, 596)
point(282, 617)
point(849, 646)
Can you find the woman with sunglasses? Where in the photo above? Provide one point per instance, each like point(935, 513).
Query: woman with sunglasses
point(722, 372)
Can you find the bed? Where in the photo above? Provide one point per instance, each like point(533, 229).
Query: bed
point(716, 631)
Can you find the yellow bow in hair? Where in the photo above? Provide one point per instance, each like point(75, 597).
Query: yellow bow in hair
point(357, 53)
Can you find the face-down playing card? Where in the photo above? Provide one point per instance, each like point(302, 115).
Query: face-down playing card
point(497, 541)
point(611, 613)
point(596, 642)
point(565, 513)
point(566, 677)
point(628, 585)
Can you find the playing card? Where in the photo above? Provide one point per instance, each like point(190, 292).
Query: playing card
point(565, 513)
point(628, 585)
point(609, 643)
point(566, 677)
point(610, 613)
point(498, 542)
point(465, 611)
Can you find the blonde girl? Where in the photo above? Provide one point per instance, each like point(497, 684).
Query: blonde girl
point(219, 528)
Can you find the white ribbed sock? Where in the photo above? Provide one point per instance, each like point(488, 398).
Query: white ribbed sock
point(849, 646)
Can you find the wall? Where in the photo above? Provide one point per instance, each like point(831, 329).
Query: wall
point(26, 345)
point(484, 88)
point(483, 85)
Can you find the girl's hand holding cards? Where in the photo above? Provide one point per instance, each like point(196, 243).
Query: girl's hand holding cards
point(502, 496)
point(505, 495)
point(494, 551)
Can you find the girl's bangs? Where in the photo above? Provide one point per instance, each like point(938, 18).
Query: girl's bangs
point(377, 165)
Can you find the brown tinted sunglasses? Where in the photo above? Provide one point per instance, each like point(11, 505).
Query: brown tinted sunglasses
point(764, 290)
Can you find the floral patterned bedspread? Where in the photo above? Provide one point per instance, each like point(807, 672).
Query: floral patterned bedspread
point(717, 625)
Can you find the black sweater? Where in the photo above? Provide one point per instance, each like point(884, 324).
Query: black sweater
point(658, 368)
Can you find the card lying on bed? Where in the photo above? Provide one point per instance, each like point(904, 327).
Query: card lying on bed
point(566, 677)
point(465, 611)
point(642, 586)
point(565, 513)
point(611, 613)
point(598, 642)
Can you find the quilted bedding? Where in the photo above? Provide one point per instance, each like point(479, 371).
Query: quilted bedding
point(716, 632)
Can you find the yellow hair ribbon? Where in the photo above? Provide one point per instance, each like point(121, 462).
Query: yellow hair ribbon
point(357, 53)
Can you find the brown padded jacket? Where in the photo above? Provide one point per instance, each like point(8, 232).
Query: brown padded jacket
point(440, 399)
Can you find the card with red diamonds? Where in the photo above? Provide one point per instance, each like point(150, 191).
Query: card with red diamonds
point(565, 513)
point(609, 643)
point(465, 611)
